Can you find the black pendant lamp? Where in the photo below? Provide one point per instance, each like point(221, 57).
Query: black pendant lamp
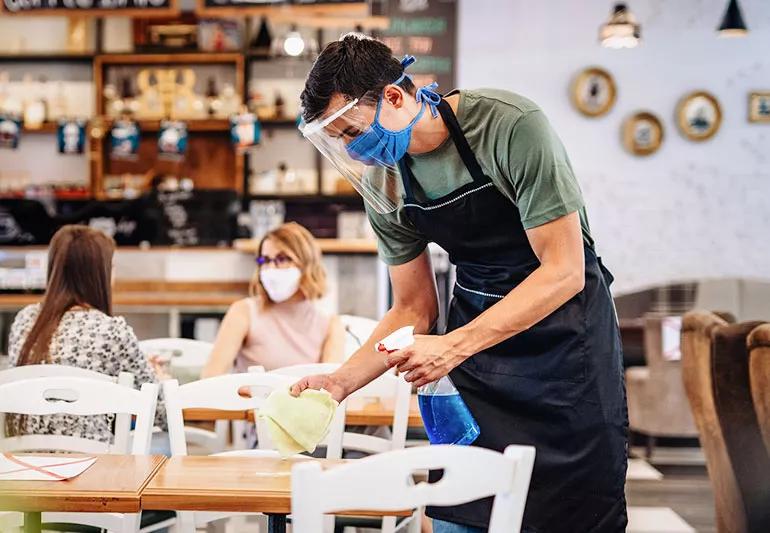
point(732, 22)
point(621, 30)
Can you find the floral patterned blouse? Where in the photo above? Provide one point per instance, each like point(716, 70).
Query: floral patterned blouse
point(85, 338)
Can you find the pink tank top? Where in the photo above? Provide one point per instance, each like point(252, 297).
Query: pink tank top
point(285, 334)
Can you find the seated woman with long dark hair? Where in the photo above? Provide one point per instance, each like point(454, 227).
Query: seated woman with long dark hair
point(74, 326)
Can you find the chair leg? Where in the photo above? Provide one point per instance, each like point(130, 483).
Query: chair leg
point(649, 447)
point(415, 524)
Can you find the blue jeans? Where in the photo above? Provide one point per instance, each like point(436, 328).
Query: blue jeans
point(439, 526)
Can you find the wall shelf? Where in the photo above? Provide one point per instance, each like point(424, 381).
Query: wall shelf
point(47, 57)
point(347, 199)
point(47, 127)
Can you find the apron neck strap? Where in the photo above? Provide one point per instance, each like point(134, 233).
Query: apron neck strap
point(461, 144)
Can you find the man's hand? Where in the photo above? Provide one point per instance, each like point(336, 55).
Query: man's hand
point(327, 382)
point(430, 357)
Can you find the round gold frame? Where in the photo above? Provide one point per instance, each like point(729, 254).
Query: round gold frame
point(681, 119)
point(628, 133)
point(580, 105)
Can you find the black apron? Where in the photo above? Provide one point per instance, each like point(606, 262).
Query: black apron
point(557, 386)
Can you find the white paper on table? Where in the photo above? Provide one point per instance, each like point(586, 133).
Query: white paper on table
point(671, 331)
point(42, 467)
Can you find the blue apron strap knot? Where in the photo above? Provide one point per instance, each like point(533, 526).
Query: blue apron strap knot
point(428, 95)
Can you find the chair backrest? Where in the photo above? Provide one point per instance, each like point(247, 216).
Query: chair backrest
point(654, 324)
point(759, 373)
point(697, 327)
point(121, 441)
point(470, 473)
point(77, 396)
point(219, 392)
point(738, 420)
point(185, 353)
point(357, 330)
point(388, 387)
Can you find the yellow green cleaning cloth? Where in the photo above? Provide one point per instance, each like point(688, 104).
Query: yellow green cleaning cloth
point(298, 424)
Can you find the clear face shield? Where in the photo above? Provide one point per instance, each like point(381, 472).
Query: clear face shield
point(344, 137)
point(352, 138)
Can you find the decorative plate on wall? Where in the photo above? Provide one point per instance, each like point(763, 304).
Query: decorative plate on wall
point(759, 107)
point(642, 133)
point(699, 116)
point(593, 92)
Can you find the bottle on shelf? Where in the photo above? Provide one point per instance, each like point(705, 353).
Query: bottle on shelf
point(231, 103)
point(213, 101)
point(58, 109)
point(130, 101)
point(263, 40)
point(126, 103)
point(280, 107)
point(9, 103)
point(36, 108)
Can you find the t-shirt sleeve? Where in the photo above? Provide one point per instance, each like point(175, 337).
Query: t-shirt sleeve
point(540, 172)
point(397, 241)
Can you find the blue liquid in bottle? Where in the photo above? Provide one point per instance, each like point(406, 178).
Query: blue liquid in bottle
point(446, 417)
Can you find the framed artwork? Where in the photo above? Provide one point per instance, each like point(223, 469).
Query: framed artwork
point(699, 116)
point(759, 107)
point(642, 133)
point(594, 92)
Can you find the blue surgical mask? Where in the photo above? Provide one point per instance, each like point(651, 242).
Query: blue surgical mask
point(381, 146)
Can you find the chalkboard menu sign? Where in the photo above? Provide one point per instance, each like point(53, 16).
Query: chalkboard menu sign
point(183, 218)
point(425, 29)
point(258, 6)
point(92, 7)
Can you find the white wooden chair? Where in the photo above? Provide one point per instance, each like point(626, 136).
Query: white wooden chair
point(357, 330)
point(388, 386)
point(11, 522)
point(187, 359)
point(187, 355)
point(81, 396)
point(221, 392)
point(121, 442)
point(470, 473)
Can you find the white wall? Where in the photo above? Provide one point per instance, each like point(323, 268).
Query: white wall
point(690, 211)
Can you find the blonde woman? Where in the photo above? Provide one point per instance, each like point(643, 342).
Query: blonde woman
point(279, 324)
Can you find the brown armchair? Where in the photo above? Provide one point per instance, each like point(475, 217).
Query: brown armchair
point(738, 420)
point(697, 327)
point(759, 371)
point(657, 403)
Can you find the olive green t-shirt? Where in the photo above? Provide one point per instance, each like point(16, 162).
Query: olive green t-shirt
point(515, 146)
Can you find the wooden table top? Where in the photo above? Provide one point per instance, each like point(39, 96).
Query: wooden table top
point(113, 484)
point(361, 412)
point(227, 484)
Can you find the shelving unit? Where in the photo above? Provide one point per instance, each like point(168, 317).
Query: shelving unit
point(209, 140)
point(211, 161)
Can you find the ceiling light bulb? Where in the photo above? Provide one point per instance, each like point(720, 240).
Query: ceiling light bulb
point(294, 44)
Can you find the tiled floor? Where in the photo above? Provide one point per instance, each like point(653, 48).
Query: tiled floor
point(656, 520)
point(684, 489)
point(641, 470)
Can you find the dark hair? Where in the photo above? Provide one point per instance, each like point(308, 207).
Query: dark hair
point(79, 273)
point(353, 66)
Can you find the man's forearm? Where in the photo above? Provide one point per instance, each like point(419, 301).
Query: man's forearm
point(366, 364)
point(544, 291)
